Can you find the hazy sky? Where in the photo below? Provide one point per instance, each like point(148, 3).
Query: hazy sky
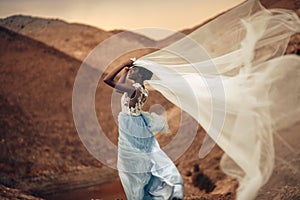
point(121, 14)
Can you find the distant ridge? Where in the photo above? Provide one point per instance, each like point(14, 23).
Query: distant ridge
point(76, 40)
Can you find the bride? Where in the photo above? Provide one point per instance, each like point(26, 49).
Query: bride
point(144, 169)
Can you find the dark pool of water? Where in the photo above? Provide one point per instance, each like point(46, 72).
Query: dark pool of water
point(110, 191)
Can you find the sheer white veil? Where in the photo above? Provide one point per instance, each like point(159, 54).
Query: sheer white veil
point(232, 77)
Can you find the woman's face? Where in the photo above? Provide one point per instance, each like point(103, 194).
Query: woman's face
point(133, 73)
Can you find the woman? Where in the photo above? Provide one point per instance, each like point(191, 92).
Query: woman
point(144, 169)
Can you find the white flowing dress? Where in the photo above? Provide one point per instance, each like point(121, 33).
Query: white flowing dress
point(146, 172)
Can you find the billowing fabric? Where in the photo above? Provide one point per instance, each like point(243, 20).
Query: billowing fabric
point(146, 172)
point(232, 77)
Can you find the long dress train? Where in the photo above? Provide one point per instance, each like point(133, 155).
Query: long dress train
point(232, 77)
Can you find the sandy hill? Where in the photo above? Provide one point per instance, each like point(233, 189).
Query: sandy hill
point(76, 40)
point(40, 145)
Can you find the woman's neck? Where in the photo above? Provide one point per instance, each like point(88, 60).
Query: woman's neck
point(140, 81)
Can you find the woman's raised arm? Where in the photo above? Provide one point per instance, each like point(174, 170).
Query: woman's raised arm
point(119, 85)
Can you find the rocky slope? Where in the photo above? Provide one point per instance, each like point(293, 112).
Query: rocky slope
point(40, 147)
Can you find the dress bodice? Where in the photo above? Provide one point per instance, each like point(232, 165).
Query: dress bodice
point(141, 99)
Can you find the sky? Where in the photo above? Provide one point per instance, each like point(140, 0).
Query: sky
point(122, 14)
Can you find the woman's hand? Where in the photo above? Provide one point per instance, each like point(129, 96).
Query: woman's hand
point(129, 63)
point(120, 85)
point(127, 68)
